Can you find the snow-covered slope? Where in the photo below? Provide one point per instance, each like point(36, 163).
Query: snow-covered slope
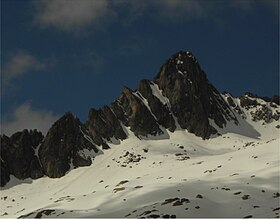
point(231, 175)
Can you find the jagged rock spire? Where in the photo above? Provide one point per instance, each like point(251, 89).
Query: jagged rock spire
point(193, 99)
point(63, 146)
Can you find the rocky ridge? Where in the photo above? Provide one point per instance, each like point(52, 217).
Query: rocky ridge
point(67, 143)
point(180, 96)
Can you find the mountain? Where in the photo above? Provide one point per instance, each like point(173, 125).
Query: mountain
point(180, 92)
point(176, 125)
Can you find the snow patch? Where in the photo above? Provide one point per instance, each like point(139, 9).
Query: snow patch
point(86, 153)
point(158, 94)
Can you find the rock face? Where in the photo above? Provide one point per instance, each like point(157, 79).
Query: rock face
point(5, 175)
point(64, 145)
point(180, 90)
point(130, 110)
point(18, 155)
point(160, 108)
point(192, 97)
point(103, 124)
point(137, 115)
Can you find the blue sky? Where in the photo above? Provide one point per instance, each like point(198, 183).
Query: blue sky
point(68, 55)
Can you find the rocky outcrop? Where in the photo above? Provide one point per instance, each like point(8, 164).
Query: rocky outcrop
point(63, 146)
point(136, 114)
point(247, 102)
point(103, 124)
point(276, 99)
point(160, 110)
point(193, 99)
point(18, 155)
point(260, 108)
point(249, 99)
point(5, 175)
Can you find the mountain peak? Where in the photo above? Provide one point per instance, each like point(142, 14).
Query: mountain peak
point(193, 99)
point(180, 64)
point(183, 56)
point(63, 146)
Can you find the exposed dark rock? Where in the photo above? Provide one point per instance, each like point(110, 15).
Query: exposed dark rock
point(138, 116)
point(276, 99)
point(266, 114)
point(250, 94)
point(170, 200)
point(231, 102)
point(153, 216)
point(63, 143)
point(181, 202)
point(103, 123)
point(79, 161)
point(26, 215)
point(245, 197)
point(276, 195)
point(18, 155)
point(44, 212)
point(247, 102)
point(122, 182)
point(5, 175)
point(193, 99)
point(105, 146)
point(248, 216)
point(35, 169)
point(118, 189)
point(161, 111)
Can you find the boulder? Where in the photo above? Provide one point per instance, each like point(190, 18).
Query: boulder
point(247, 102)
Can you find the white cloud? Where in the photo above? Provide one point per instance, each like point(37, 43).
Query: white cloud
point(77, 15)
point(71, 15)
point(20, 63)
point(24, 117)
